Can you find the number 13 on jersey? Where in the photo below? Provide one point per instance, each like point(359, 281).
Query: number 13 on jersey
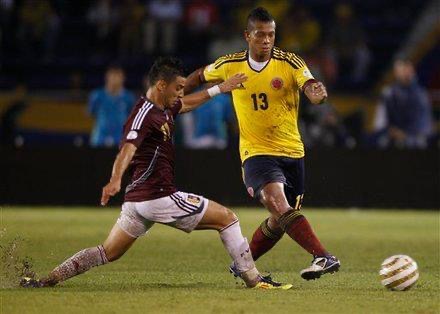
point(260, 101)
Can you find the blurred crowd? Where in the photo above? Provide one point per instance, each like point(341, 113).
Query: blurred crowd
point(78, 39)
point(94, 32)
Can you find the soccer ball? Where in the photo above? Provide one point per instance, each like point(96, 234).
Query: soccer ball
point(399, 272)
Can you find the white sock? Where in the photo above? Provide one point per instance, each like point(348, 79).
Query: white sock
point(238, 248)
point(79, 263)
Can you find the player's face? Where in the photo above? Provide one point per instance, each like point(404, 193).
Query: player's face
point(174, 91)
point(115, 78)
point(261, 38)
point(404, 72)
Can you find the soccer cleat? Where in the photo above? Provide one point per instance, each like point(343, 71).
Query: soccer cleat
point(321, 265)
point(234, 271)
point(267, 283)
point(27, 282)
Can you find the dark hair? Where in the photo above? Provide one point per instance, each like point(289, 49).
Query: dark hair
point(165, 68)
point(259, 14)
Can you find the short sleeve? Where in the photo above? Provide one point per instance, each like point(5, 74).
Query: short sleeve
point(302, 75)
point(215, 71)
point(138, 128)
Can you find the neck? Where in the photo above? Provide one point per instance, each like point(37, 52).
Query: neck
point(156, 98)
point(113, 90)
point(259, 58)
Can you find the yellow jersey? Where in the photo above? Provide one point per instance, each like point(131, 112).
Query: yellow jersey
point(267, 104)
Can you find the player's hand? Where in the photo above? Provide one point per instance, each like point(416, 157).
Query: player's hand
point(233, 82)
point(112, 188)
point(319, 91)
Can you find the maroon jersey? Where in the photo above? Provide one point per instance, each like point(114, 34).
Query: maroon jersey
point(151, 130)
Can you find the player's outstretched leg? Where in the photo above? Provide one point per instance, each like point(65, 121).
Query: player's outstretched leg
point(298, 228)
point(226, 223)
point(117, 243)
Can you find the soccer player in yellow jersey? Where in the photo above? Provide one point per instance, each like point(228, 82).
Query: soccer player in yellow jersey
point(271, 149)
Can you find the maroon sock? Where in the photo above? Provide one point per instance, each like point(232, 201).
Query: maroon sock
point(264, 239)
point(299, 229)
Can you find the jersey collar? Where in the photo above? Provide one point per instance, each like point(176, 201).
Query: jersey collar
point(249, 65)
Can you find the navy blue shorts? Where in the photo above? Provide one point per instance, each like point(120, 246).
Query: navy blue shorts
point(261, 170)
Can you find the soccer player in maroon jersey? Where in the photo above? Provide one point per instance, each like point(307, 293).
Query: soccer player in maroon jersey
point(147, 150)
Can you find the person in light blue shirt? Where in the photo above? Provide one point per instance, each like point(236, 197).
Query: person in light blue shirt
point(207, 126)
point(110, 107)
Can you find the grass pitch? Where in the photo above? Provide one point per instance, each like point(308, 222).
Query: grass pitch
point(169, 271)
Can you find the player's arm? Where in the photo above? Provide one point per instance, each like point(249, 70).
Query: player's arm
point(192, 101)
point(194, 80)
point(213, 73)
point(315, 92)
point(121, 163)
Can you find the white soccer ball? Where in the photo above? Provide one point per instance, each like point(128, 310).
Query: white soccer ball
point(399, 272)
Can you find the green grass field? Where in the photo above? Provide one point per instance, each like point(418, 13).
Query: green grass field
point(169, 271)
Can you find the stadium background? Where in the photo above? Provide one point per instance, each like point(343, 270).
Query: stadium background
point(53, 53)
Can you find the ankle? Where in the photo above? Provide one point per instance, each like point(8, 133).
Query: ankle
point(251, 277)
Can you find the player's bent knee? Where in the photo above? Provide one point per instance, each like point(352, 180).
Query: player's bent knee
point(113, 254)
point(228, 217)
point(277, 206)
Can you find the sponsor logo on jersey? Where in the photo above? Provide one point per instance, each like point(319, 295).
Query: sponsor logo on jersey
point(307, 74)
point(277, 83)
point(132, 135)
point(165, 128)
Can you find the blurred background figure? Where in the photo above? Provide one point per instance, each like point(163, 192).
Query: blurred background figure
point(201, 18)
point(322, 126)
point(38, 27)
point(228, 38)
point(103, 16)
point(161, 26)
point(347, 44)
point(404, 113)
point(130, 35)
point(9, 118)
point(301, 32)
point(209, 126)
point(110, 107)
point(6, 21)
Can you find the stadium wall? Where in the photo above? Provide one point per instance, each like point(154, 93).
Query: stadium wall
point(334, 178)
